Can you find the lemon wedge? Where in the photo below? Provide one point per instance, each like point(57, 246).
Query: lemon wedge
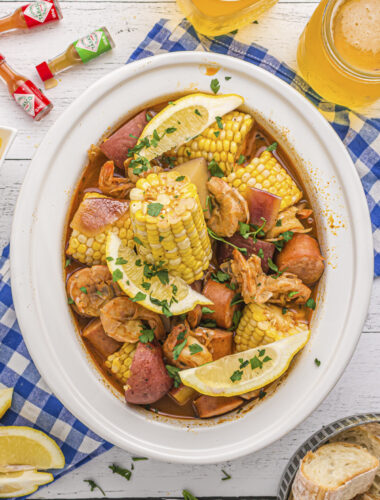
point(18, 484)
point(161, 293)
point(245, 371)
point(5, 400)
point(27, 446)
point(183, 119)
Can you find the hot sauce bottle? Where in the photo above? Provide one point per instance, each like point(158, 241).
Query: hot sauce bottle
point(31, 15)
point(24, 92)
point(79, 52)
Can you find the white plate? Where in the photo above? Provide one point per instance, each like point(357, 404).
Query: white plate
point(37, 275)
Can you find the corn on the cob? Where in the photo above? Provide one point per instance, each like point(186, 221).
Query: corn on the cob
point(267, 174)
point(220, 144)
point(263, 324)
point(96, 215)
point(167, 218)
point(119, 363)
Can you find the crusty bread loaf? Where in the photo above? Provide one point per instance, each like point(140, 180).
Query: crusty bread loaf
point(336, 471)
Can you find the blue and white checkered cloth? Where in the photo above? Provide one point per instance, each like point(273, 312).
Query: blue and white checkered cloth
point(33, 403)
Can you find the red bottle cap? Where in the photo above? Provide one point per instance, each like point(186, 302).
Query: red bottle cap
point(44, 71)
point(2, 58)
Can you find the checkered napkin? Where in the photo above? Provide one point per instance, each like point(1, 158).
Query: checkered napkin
point(360, 135)
point(33, 403)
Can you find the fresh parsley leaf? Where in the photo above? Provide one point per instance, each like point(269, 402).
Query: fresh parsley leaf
point(227, 78)
point(311, 304)
point(93, 485)
point(173, 373)
point(243, 363)
point(237, 374)
point(260, 253)
point(139, 296)
point(236, 319)
point(255, 22)
point(180, 178)
point(195, 348)
point(226, 476)
point(163, 276)
point(215, 85)
point(146, 285)
point(272, 147)
point(217, 133)
point(255, 362)
point(109, 259)
point(292, 294)
point(219, 122)
point(197, 112)
point(287, 235)
point(170, 130)
point(262, 394)
point(83, 289)
point(219, 238)
point(261, 353)
point(273, 266)
point(116, 469)
point(70, 300)
point(117, 275)
point(137, 240)
point(178, 349)
point(148, 117)
point(215, 170)
point(279, 223)
point(147, 335)
point(241, 159)
point(266, 359)
point(317, 362)
point(220, 277)
point(68, 262)
point(138, 262)
point(207, 310)
point(120, 261)
point(154, 209)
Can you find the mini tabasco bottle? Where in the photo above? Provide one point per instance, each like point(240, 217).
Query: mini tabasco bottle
point(24, 92)
point(31, 15)
point(78, 52)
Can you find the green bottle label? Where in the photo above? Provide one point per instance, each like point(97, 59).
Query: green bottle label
point(92, 45)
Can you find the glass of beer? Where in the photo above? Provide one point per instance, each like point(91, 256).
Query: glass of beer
point(339, 51)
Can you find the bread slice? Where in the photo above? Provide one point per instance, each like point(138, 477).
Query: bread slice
point(336, 471)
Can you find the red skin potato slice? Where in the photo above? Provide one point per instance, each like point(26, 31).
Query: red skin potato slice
point(149, 380)
point(117, 146)
point(262, 205)
point(224, 251)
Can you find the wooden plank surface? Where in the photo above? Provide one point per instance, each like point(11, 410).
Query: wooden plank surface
point(129, 21)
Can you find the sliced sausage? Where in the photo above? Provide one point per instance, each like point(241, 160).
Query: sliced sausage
point(95, 334)
point(194, 317)
point(218, 342)
point(221, 296)
point(117, 146)
point(263, 249)
point(210, 406)
point(302, 257)
point(149, 380)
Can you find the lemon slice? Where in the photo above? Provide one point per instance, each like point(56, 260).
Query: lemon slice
point(27, 446)
point(183, 119)
point(5, 400)
point(245, 371)
point(18, 484)
point(169, 295)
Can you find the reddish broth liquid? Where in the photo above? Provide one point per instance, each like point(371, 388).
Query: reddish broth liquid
point(260, 139)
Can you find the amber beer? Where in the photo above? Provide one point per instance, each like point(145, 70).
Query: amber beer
point(339, 51)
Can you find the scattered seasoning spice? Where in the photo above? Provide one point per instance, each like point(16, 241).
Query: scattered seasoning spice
point(116, 469)
point(215, 85)
point(279, 223)
point(93, 485)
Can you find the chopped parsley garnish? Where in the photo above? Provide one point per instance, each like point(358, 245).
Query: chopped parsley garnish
point(99, 293)
point(139, 296)
point(182, 334)
point(262, 394)
point(178, 349)
point(195, 348)
point(137, 459)
point(120, 261)
point(138, 262)
point(245, 230)
point(255, 22)
point(188, 152)
point(163, 304)
point(70, 300)
point(220, 277)
point(317, 362)
point(93, 485)
point(215, 85)
point(261, 352)
point(274, 268)
point(236, 319)
point(116, 469)
point(83, 289)
point(188, 496)
point(217, 133)
point(163, 276)
point(138, 241)
point(161, 238)
point(214, 169)
point(147, 117)
point(292, 294)
point(109, 259)
point(241, 159)
point(237, 299)
point(208, 204)
point(173, 373)
point(227, 78)
point(68, 262)
point(311, 304)
point(219, 238)
point(226, 476)
point(197, 112)
point(260, 253)
point(211, 323)
point(279, 223)
point(233, 32)
point(243, 363)
point(170, 130)
point(255, 362)
point(180, 178)
point(147, 335)
point(146, 285)
point(284, 310)
point(219, 122)
point(272, 147)
point(237, 374)
point(154, 209)
point(287, 235)
point(207, 310)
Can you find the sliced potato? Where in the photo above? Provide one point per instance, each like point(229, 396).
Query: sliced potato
point(198, 174)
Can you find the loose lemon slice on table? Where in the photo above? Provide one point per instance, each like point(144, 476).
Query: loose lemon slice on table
point(183, 119)
point(18, 484)
point(5, 400)
point(27, 446)
point(161, 293)
point(245, 371)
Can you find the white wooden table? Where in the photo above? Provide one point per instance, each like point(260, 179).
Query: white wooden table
point(129, 21)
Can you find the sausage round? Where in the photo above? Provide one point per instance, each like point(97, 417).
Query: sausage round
point(302, 257)
point(221, 296)
point(149, 380)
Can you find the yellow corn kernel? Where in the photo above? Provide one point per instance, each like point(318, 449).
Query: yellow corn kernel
point(267, 174)
point(262, 324)
point(222, 145)
point(119, 363)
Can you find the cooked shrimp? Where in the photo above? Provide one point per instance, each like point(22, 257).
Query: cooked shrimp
point(260, 288)
point(123, 319)
point(185, 357)
point(290, 222)
point(118, 187)
point(231, 208)
point(90, 288)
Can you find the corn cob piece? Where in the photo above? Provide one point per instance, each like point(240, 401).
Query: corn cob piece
point(220, 144)
point(167, 218)
point(267, 174)
point(263, 324)
point(119, 363)
point(96, 215)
